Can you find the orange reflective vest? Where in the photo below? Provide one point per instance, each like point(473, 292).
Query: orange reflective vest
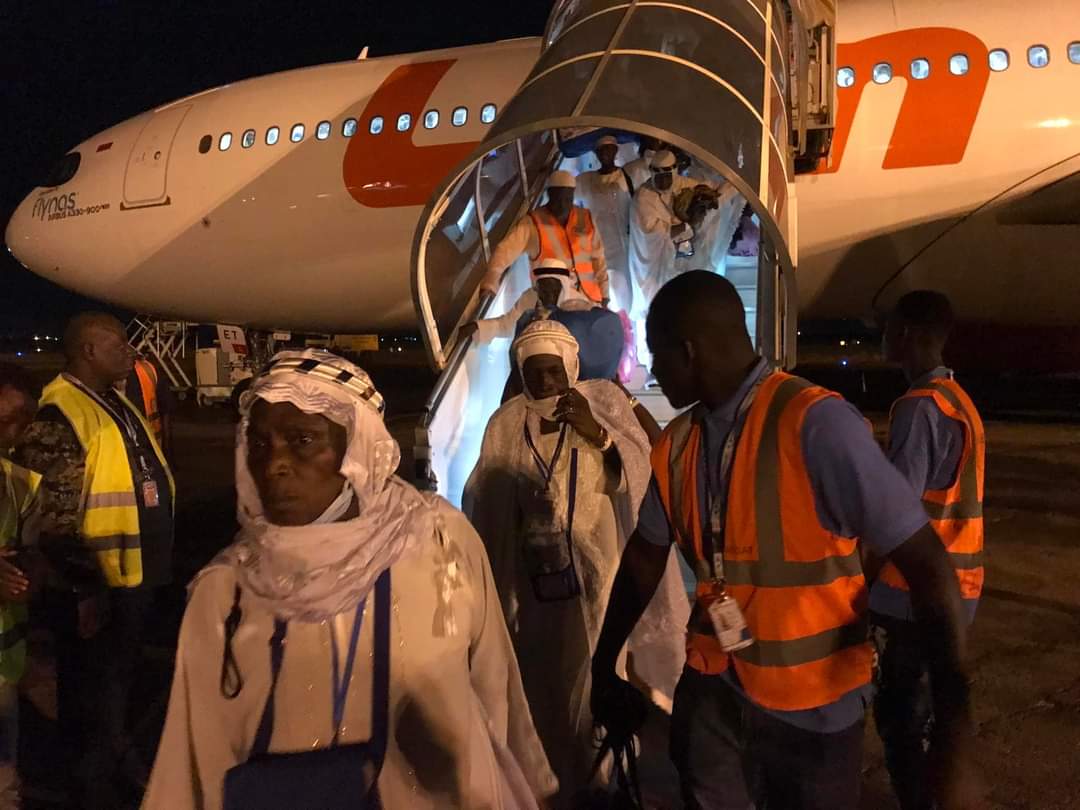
point(800, 587)
point(956, 513)
point(148, 380)
point(574, 244)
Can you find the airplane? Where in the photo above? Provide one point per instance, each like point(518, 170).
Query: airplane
point(307, 199)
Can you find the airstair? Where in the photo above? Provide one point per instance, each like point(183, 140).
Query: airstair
point(742, 86)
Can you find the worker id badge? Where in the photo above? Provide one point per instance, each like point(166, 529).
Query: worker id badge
point(150, 497)
point(729, 624)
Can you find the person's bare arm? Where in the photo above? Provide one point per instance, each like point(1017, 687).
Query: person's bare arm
point(640, 570)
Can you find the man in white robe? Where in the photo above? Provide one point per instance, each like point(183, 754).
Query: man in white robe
point(460, 734)
point(553, 287)
point(554, 496)
point(607, 193)
point(658, 235)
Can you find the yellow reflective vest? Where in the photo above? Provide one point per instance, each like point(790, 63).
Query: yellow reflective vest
point(20, 512)
point(110, 518)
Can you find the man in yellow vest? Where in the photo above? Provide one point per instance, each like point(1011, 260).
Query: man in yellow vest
point(108, 532)
point(556, 230)
point(937, 442)
point(769, 485)
point(20, 518)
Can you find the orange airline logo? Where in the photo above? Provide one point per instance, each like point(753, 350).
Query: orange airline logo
point(387, 170)
point(937, 114)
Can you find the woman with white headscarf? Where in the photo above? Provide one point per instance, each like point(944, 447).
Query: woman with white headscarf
point(555, 494)
point(350, 641)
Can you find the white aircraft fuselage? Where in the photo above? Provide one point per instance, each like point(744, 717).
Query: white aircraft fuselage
point(946, 171)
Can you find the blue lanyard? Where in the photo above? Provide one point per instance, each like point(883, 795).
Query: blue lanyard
point(339, 683)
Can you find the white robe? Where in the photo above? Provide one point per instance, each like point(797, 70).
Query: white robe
point(555, 641)
point(461, 734)
point(653, 259)
point(608, 199)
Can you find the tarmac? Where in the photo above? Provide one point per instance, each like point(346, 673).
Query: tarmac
point(1025, 641)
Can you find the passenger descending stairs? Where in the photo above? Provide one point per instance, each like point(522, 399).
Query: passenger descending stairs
point(740, 271)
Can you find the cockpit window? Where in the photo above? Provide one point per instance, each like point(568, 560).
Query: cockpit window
point(64, 170)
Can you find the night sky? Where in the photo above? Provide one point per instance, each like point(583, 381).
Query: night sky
point(72, 69)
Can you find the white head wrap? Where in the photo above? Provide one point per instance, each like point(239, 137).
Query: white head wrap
point(558, 268)
point(561, 179)
point(546, 337)
point(664, 159)
point(314, 572)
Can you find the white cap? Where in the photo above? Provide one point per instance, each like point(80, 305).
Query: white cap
point(551, 267)
point(607, 140)
point(664, 159)
point(562, 179)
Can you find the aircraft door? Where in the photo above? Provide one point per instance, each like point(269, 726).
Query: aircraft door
point(146, 177)
point(710, 77)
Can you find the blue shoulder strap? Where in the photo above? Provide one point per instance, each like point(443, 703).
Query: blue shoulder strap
point(380, 686)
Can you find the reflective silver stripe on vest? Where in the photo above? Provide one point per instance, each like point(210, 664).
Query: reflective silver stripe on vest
point(12, 636)
point(113, 542)
point(772, 569)
point(110, 499)
point(966, 562)
point(806, 649)
point(953, 511)
point(556, 236)
point(790, 574)
point(968, 507)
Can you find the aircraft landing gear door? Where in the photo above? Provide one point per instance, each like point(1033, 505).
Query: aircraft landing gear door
point(148, 164)
point(710, 77)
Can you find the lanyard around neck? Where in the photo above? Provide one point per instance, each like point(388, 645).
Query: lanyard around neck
point(122, 418)
point(339, 681)
point(546, 468)
point(715, 507)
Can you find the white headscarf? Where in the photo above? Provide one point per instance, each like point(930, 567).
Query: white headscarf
point(546, 337)
point(558, 268)
point(311, 573)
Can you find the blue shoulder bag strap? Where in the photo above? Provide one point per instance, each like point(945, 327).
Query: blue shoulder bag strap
point(380, 687)
point(266, 724)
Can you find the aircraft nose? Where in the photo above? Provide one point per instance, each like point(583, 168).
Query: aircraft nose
point(23, 237)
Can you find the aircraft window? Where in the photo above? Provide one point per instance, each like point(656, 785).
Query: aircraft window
point(431, 119)
point(225, 142)
point(882, 73)
point(297, 133)
point(487, 113)
point(404, 122)
point(272, 136)
point(958, 64)
point(66, 167)
point(348, 128)
point(322, 132)
point(1038, 56)
point(205, 143)
point(1074, 53)
point(920, 68)
point(999, 60)
point(376, 125)
point(460, 116)
point(845, 77)
point(248, 140)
